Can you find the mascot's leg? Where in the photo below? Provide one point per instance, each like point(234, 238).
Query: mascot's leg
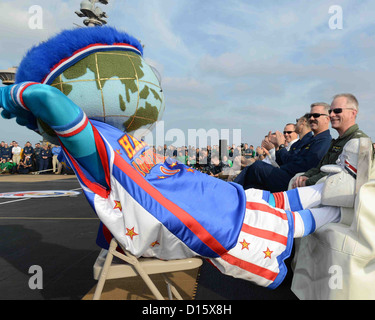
point(266, 239)
point(298, 198)
point(305, 204)
point(308, 220)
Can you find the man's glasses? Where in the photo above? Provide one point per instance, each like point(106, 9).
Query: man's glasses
point(288, 132)
point(338, 110)
point(316, 115)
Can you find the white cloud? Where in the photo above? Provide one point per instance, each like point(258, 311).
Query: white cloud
point(187, 86)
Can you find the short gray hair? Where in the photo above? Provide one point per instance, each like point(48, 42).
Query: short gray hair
point(351, 100)
point(322, 104)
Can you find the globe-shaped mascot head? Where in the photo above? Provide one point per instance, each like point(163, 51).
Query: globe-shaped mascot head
point(103, 71)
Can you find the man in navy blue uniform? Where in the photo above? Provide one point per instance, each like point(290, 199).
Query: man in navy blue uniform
point(6, 153)
point(2, 146)
point(28, 150)
point(45, 158)
point(305, 154)
point(36, 156)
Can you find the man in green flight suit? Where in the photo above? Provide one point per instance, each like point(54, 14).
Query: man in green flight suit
point(343, 113)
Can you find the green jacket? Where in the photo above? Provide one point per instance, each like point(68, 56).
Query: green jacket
point(7, 166)
point(335, 149)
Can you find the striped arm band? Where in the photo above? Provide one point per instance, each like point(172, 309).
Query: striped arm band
point(351, 169)
point(17, 91)
point(73, 128)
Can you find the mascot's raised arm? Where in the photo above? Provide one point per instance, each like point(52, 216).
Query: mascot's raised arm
point(87, 89)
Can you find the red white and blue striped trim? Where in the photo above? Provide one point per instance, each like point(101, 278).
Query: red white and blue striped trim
point(17, 91)
point(351, 169)
point(83, 176)
point(289, 200)
point(82, 53)
point(72, 128)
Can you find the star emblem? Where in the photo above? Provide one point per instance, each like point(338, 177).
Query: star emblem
point(189, 170)
point(245, 245)
point(118, 205)
point(267, 253)
point(119, 151)
point(131, 233)
point(155, 243)
point(173, 164)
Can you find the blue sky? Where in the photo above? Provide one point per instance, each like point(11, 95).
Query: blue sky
point(249, 65)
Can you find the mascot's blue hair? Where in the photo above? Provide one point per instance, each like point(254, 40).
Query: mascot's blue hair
point(40, 59)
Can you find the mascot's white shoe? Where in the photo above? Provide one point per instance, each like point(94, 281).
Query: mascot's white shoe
point(339, 187)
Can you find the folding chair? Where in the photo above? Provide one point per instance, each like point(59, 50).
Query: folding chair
point(130, 266)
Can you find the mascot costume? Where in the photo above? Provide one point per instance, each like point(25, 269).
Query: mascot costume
point(83, 89)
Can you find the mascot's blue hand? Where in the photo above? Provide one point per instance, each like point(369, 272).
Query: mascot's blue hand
point(8, 104)
point(7, 115)
point(11, 110)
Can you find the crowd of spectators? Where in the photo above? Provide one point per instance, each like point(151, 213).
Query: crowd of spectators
point(41, 159)
point(210, 160)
